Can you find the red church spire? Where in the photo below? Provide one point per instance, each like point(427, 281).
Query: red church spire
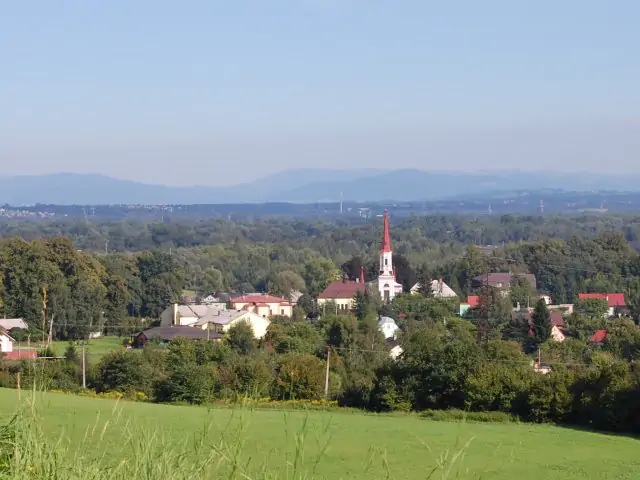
point(362, 274)
point(386, 238)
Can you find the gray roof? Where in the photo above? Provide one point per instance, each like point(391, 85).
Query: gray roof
point(169, 333)
point(221, 317)
point(10, 323)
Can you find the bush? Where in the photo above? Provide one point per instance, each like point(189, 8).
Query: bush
point(124, 371)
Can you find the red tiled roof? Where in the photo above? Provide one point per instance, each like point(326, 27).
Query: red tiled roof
point(599, 336)
point(613, 299)
point(259, 299)
point(557, 319)
point(341, 289)
point(473, 300)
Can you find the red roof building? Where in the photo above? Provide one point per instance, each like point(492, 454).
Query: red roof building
point(613, 299)
point(263, 304)
point(599, 336)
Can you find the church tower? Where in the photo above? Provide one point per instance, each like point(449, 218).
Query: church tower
point(387, 284)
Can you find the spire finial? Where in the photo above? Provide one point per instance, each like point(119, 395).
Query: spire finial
point(386, 237)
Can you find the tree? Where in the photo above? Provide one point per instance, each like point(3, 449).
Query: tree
point(541, 322)
point(364, 306)
point(285, 282)
point(517, 329)
point(521, 292)
point(240, 338)
point(318, 273)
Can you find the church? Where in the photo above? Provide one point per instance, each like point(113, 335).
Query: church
point(386, 283)
point(342, 292)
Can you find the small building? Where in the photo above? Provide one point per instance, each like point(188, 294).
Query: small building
point(262, 304)
point(501, 280)
point(439, 289)
point(6, 342)
point(388, 327)
point(614, 300)
point(223, 320)
point(395, 350)
point(472, 302)
point(9, 324)
point(185, 315)
point(598, 337)
point(342, 292)
point(167, 334)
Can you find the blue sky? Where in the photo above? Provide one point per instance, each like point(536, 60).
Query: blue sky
point(215, 92)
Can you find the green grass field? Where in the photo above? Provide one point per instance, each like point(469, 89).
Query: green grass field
point(345, 444)
point(96, 349)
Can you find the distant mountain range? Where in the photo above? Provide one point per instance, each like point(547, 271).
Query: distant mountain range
point(301, 186)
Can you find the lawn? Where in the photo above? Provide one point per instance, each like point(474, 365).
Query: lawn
point(348, 445)
point(96, 349)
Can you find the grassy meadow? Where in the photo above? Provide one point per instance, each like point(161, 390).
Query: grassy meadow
point(196, 442)
point(95, 349)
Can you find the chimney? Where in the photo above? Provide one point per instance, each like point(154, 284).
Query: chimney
point(175, 313)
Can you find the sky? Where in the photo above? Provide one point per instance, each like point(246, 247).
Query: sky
point(219, 92)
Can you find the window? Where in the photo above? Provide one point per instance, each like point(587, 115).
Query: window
point(282, 311)
point(386, 261)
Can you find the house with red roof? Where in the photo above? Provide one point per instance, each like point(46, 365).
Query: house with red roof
point(614, 300)
point(341, 293)
point(263, 304)
point(472, 302)
point(10, 351)
point(598, 337)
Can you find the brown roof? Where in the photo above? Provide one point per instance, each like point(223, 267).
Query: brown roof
point(503, 278)
point(341, 289)
point(557, 319)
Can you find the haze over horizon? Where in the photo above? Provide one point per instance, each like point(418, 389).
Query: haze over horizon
point(221, 93)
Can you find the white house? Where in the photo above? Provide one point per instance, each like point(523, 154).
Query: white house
point(438, 288)
point(222, 320)
point(10, 323)
point(6, 342)
point(388, 327)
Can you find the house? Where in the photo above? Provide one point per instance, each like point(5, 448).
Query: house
point(9, 324)
point(388, 327)
point(438, 288)
point(501, 280)
point(342, 292)
point(564, 308)
point(6, 342)
point(557, 323)
point(472, 302)
point(185, 314)
point(614, 300)
point(167, 334)
point(222, 320)
point(263, 304)
point(598, 337)
point(395, 350)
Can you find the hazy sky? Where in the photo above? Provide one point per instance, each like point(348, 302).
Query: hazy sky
point(218, 92)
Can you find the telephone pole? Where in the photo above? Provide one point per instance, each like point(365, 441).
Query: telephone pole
point(326, 376)
point(84, 368)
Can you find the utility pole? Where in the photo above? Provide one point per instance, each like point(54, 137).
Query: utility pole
point(84, 368)
point(326, 376)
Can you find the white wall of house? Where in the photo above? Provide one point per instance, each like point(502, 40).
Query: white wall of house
point(6, 343)
point(341, 304)
point(257, 323)
point(396, 352)
point(266, 310)
point(388, 327)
